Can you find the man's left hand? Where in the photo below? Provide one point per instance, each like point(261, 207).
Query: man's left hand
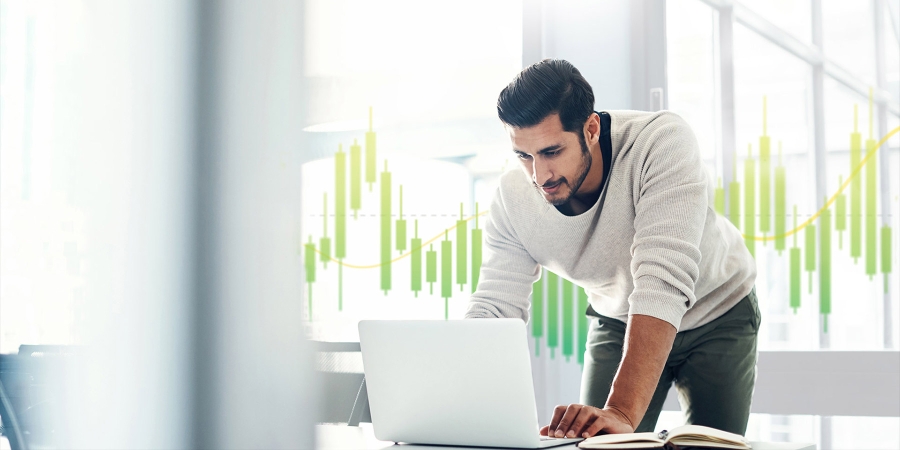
point(585, 421)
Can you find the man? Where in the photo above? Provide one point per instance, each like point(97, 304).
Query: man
point(618, 203)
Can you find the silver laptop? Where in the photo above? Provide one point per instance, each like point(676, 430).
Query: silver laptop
point(459, 382)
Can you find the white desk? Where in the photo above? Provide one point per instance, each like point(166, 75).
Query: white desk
point(342, 437)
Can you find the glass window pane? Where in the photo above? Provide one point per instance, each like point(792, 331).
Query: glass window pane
point(892, 52)
point(432, 86)
point(856, 256)
point(763, 70)
point(691, 75)
point(848, 37)
point(360, 54)
point(766, 73)
point(43, 237)
point(341, 296)
point(792, 16)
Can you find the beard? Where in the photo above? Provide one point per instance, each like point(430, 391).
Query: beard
point(583, 170)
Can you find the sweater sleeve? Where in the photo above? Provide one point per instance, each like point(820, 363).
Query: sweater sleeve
point(670, 201)
point(507, 272)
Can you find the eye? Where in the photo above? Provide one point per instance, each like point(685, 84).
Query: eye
point(552, 154)
point(521, 155)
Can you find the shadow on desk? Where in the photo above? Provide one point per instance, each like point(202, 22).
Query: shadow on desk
point(338, 437)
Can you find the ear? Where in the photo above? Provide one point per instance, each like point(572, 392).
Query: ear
point(592, 129)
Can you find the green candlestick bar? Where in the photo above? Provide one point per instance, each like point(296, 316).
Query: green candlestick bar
point(401, 226)
point(552, 312)
point(537, 311)
point(340, 204)
point(582, 324)
point(734, 204)
point(370, 153)
point(871, 210)
point(810, 252)
point(855, 192)
point(734, 197)
point(795, 269)
point(461, 248)
point(431, 268)
point(310, 265)
point(476, 252)
point(840, 214)
point(415, 261)
point(720, 198)
point(795, 278)
point(780, 201)
point(885, 254)
point(765, 183)
point(750, 201)
point(310, 260)
point(568, 318)
point(825, 261)
point(324, 241)
point(385, 230)
point(446, 270)
point(355, 181)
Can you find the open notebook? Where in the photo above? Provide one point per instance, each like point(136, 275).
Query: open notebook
point(683, 436)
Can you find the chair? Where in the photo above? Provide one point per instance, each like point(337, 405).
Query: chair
point(345, 398)
point(31, 385)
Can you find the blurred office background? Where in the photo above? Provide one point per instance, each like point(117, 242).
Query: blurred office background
point(195, 189)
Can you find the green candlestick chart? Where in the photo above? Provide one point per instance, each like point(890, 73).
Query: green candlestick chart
point(863, 215)
point(465, 247)
point(550, 292)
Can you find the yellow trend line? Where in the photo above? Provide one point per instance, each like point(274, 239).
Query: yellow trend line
point(374, 266)
point(833, 197)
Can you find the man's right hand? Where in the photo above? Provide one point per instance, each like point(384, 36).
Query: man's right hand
point(585, 421)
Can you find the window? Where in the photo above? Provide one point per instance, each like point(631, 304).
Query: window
point(691, 67)
point(431, 84)
point(846, 306)
point(42, 235)
point(785, 94)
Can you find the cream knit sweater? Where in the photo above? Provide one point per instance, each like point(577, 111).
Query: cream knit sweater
point(652, 244)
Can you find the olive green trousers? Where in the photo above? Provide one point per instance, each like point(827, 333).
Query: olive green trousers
point(713, 368)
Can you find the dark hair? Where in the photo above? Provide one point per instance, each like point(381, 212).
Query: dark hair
point(544, 88)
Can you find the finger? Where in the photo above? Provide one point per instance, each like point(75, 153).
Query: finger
point(567, 419)
point(594, 427)
point(544, 430)
point(557, 414)
point(583, 418)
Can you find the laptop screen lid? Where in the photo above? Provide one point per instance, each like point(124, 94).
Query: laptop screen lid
point(458, 382)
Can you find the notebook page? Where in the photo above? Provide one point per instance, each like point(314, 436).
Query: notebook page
point(623, 438)
point(699, 432)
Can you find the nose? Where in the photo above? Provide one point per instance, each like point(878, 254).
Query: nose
point(540, 172)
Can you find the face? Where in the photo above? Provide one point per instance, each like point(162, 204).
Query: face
point(555, 160)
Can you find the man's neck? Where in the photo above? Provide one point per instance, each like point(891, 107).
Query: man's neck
point(590, 188)
point(578, 204)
